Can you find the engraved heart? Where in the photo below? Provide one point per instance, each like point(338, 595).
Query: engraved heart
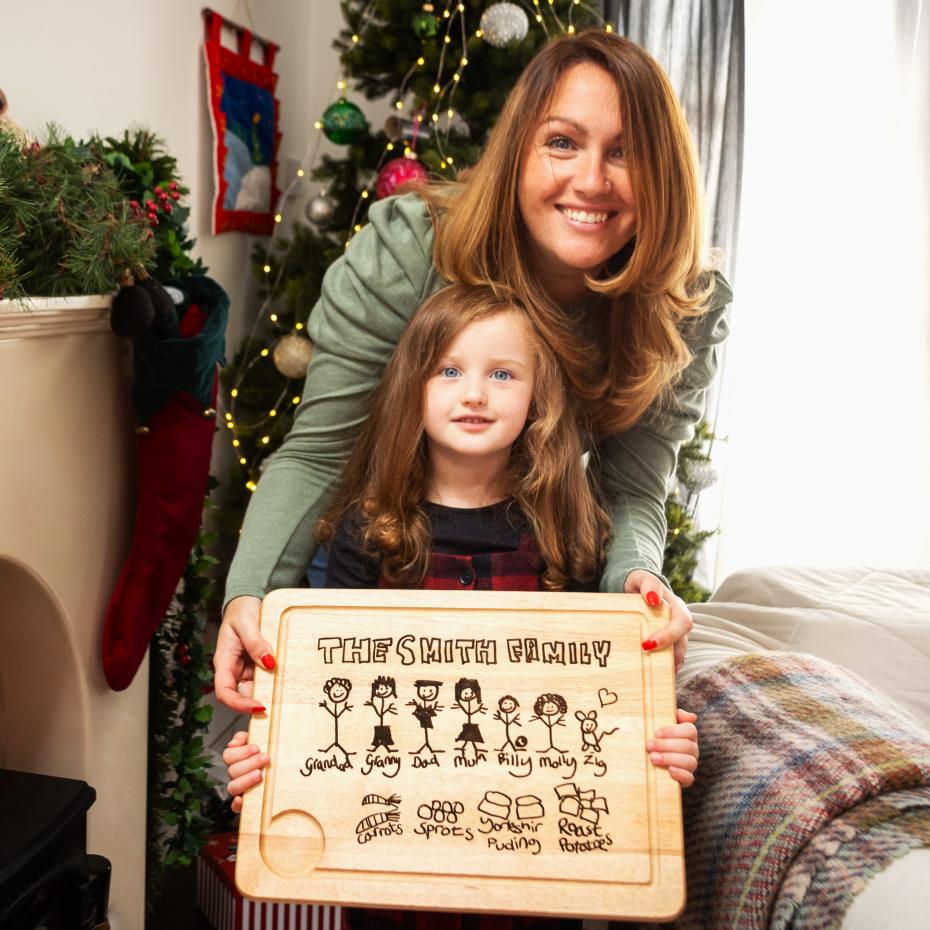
point(606, 697)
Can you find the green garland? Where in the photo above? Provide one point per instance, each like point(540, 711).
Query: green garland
point(65, 225)
point(179, 788)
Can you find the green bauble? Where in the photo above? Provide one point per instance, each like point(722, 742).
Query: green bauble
point(425, 25)
point(343, 122)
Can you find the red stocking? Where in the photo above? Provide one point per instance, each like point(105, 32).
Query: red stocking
point(173, 468)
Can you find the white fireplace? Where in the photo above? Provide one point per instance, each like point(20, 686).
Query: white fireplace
point(66, 512)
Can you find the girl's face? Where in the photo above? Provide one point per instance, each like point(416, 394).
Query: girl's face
point(382, 690)
point(477, 400)
point(338, 693)
point(467, 694)
point(574, 192)
point(550, 708)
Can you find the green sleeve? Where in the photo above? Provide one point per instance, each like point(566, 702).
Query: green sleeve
point(368, 296)
point(636, 467)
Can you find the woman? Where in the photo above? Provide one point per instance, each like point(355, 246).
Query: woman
point(584, 204)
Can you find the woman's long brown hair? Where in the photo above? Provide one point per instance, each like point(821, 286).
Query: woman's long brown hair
point(632, 350)
point(386, 478)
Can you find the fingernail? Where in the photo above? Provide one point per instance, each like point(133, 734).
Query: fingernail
point(653, 599)
point(655, 756)
point(649, 644)
point(259, 710)
point(268, 661)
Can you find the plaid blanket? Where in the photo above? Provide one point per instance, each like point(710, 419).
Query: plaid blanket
point(810, 782)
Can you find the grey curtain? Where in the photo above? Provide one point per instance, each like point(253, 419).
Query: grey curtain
point(700, 43)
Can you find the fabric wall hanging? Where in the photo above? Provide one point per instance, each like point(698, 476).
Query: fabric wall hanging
point(244, 113)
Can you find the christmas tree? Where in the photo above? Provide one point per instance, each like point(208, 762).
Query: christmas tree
point(446, 69)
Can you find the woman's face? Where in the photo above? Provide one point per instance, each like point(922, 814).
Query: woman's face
point(574, 193)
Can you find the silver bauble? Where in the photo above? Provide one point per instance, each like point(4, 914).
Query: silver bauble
point(504, 23)
point(320, 210)
point(291, 355)
point(700, 476)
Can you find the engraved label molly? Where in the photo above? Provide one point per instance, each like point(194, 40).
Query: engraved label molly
point(337, 693)
point(425, 707)
point(511, 826)
point(468, 700)
point(381, 823)
point(441, 818)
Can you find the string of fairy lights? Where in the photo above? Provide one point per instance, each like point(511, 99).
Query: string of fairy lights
point(430, 123)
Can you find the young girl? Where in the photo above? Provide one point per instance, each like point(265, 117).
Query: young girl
point(468, 474)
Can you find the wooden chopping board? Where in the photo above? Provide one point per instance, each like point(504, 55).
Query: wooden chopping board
point(473, 751)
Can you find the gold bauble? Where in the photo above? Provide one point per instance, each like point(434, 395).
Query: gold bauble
point(292, 355)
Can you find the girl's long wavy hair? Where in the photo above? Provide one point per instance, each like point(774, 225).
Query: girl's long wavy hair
point(386, 479)
point(631, 351)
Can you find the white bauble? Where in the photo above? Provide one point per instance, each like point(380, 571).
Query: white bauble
point(504, 23)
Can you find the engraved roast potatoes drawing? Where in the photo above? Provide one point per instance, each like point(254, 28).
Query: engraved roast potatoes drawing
point(479, 751)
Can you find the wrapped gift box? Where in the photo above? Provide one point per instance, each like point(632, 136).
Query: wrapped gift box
point(226, 909)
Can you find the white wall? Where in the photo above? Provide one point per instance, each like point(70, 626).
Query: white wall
point(104, 66)
point(827, 383)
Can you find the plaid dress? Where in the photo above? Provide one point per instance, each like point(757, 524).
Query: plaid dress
point(482, 549)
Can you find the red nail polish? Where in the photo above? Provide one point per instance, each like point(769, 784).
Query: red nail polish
point(653, 599)
point(259, 710)
point(268, 661)
point(649, 644)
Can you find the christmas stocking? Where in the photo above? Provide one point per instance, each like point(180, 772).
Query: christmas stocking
point(174, 393)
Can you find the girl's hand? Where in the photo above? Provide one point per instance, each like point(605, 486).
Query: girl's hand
point(676, 748)
point(680, 622)
point(239, 646)
point(244, 764)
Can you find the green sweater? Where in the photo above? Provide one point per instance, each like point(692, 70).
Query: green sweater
point(368, 297)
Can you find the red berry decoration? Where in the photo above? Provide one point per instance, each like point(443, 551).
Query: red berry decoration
point(168, 207)
point(175, 195)
point(172, 185)
point(150, 205)
point(396, 172)
point(158, 189)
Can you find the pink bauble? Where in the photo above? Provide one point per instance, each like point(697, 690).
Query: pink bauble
point(396, 172)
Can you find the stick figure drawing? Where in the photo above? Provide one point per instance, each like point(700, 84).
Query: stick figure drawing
point(383, 689)
point(337, 691)
point(551, 710)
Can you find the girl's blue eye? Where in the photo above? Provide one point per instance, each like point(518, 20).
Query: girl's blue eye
point(449, 372)
point(501, 375)
point(560, 142)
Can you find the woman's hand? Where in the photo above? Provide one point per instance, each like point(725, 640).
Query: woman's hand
point(680, 622)
point(238, 647)
point(244, 764)
point(674, 748)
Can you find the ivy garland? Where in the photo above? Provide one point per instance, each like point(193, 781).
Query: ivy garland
point(180, 789)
